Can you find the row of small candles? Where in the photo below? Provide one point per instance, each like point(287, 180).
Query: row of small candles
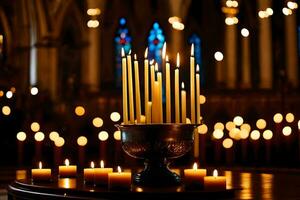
point(153, 104)
point(193, 178)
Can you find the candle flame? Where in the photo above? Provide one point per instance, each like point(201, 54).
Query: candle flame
point(122, 52)
point(102, 164)
point(135, 57)
point(67, 162)
point(146, 53)
point(129, 52)
point(197, 68)
point(195, 166)
point(156, 67)
point(177, 60)
point(152, 62)
point(40, 165)
point(164, 49)
point(215, 173)
point(167, 58)
point(192, 50)
point(182, 85)
point(92, 165)
point(119, 169)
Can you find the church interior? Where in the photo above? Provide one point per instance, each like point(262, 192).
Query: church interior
point(62, 90)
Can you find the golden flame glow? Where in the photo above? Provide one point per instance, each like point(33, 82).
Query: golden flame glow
point(39, 136)
point(129, 52)
point(195, 166)
point(134, 57)
point(215, 173)
point(192, 50)
point(21, 136)
point(197, 68)
point(102, 164)
point(122, 52)
point(152, 62)
point(156, 67)
point(40, 165)
point(164, 49)
point(177, 60)
point(146, 53)
point(92, 164)
point(167, 58)
point(182, 85)
point(119, 169)
point(67, 162)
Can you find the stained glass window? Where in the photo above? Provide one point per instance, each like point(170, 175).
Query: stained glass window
point(156, 41)
point(195, 39)
point(122, 40)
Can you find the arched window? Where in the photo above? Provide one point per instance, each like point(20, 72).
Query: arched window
point(122, 40)
point(156, 41)
point(195, 39)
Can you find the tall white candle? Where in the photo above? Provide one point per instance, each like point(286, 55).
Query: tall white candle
point(155, 113)
point(183, 104)
point(192, 84)
point(149, 110)
point(177, 111)
point(137, 90)
point(160, 106)
point(152, 78)
point(124, 87)
point(130, 88)
point(146, 82)
point(168, 92)
point(198, 94)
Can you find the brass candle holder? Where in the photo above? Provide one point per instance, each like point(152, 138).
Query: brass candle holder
point(157, 145)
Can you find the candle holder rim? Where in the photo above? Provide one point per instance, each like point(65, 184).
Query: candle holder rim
point(157, 124)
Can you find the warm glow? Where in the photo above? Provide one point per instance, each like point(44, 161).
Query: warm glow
point(235, 133)
point(79, 110)
point(35, 127)
point(292, 5)
point(215, 173)
point(67, 162)
point(238, 120)
point(93, 23)
point(59, 142)
point(255, 135)
point(202, 99)
point(53, 135)
point(173, 19)
point(119, 169)
point(182, 85)
point(287, 130)
point(6, 110)
point(229, 21)
point(246, 126)
point(93, 11)
point(178, 26)
point(21, 136)
point(39, 136)
point(102, 164)
point(40, 165)
point(278, 118)
point(244, 133)
point(146, 53)
point(117, 135)
point(202, 129)
point(229, 125)
point(299, 124)
point(267, 134)
point(9, 94)
point(245, 32)
point(13, 89)
point(192, 50)
point(219, 125)
point(123, 52)
point(261, 124)
point(218, 134)
point(262, 14)
point(218, 56)
point(164, 49)
point(97, 122)
point(227, 143)
point(269, 11)
point(287, 11)
point(82, 141)
point(92, 165)
point(103, 136)
point(115, 116)
point(1, 93)
point(177, 60)
point(195, 166)
point(290, 117)
point(34, 91)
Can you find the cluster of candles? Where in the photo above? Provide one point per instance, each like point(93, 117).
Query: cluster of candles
point(154, 109)
point(193, 178)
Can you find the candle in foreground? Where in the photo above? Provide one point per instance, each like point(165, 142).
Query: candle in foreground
point(67, 183)
point(130, 89)
point(194, 178)
point(146, 82)
point(124, 88)
point(41, 174)
point(89, 173)
point(183, 104)
point(101, 174)
point(176, 92)
point(119, 180)
point(67, 170)
point(215, 182)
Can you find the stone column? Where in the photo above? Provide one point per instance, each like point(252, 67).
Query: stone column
point(265, 48)
point(230, 55)
point(246, 71)
point(291, 58)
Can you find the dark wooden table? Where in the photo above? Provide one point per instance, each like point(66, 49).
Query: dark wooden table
point(76, 189)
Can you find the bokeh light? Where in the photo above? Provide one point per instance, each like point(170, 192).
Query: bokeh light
point(218, 134)
point(21, 136)
point(290, 117)
point(79, 110)
point(9, 94)
point(6, 110)
point(278, 118)
point(82, 141)
point(235, 133)
point(53, 135)
point(245, 32)
point(35, 126)
point(115, 116)
point(39, 136)
point(219, 125)
point(246, 126)
point(103, 136)
point(267, 134)
point(34, 91)
point(202, 99)
point(218, 56)
point(202, 129)
point(59, 142)
point(227, 143)
point(255, 135)
point(244, 133)
point(229, 125)
point(97, 122)
point(261, 124)
point(117, 135)
point(238, 120)
point(287, 130)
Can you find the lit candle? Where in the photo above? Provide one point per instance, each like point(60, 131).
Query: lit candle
point(196, 135)
point(41, 174)
point(194, 177)
point(215, 182)
point(101, 174)
point(155, 104)
point(67, 183)
point(124, 87)
point(176, 92)
point(130, 88)
point(67, 170)
point(168, 92)
point(119, 180)
point(192, 85)
point(149, 109)
point(89, 173)
point(146, 82)
point(183, 104)
point(152, 77)
point(137, 90)
point(160, 106)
